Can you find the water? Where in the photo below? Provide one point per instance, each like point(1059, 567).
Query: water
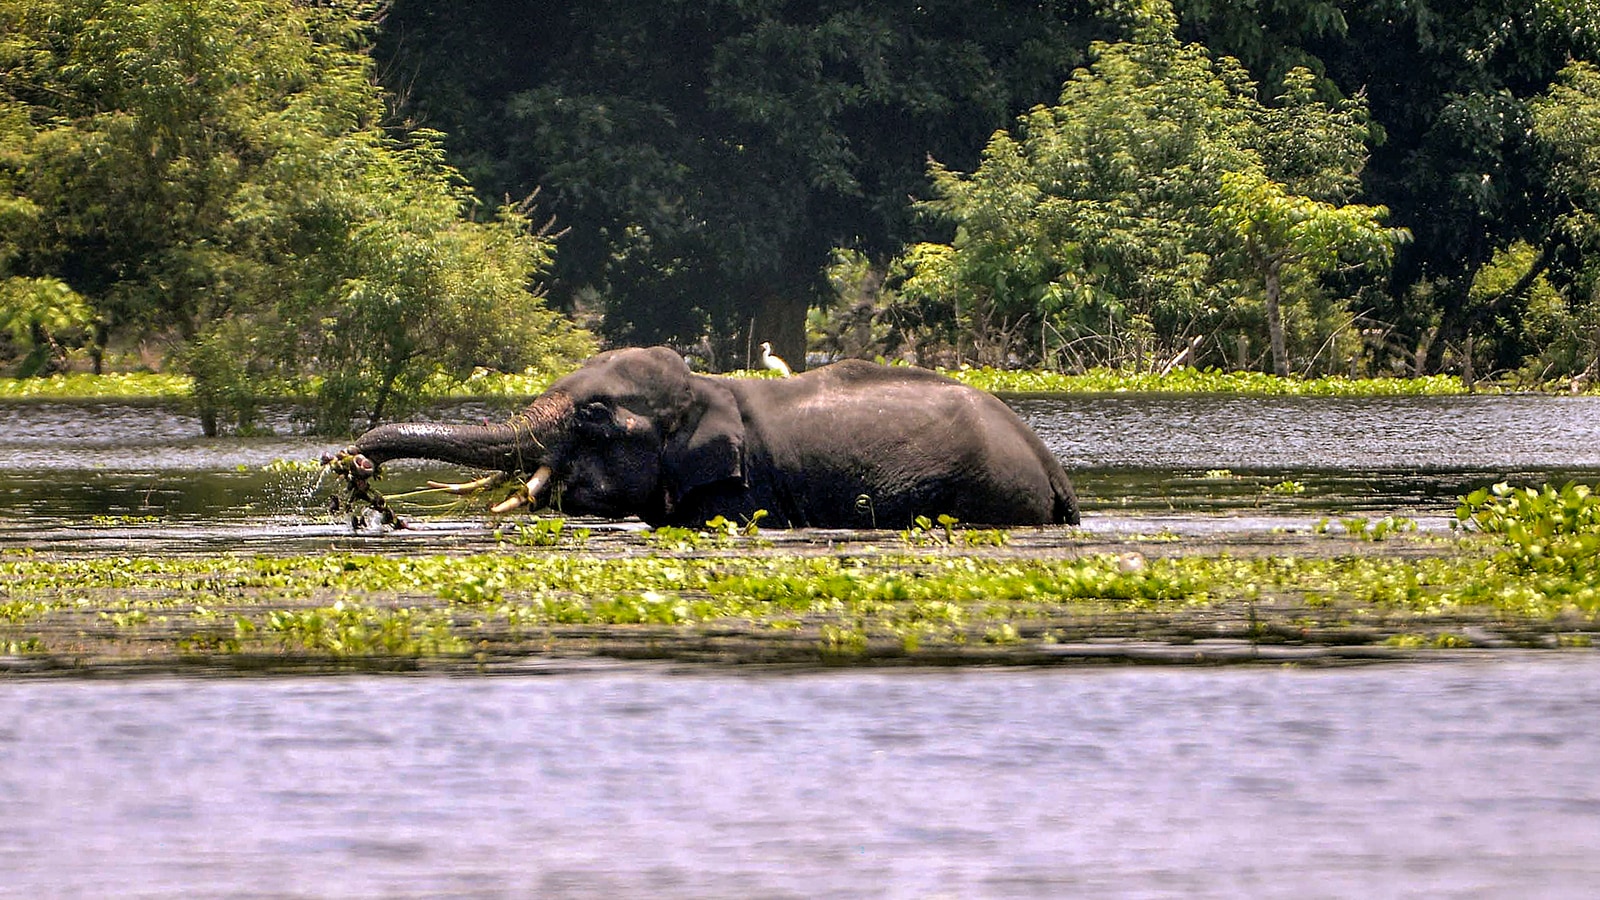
point(1480, 432)
point(1447, 779)
point(1130, 456)
point(1430, 780)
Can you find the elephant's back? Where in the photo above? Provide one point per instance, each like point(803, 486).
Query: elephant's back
point(913, 441)
point(862, 374)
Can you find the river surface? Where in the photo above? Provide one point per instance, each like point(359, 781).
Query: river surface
point(1468, 779)
point(1193, 462)
point(1448, 779)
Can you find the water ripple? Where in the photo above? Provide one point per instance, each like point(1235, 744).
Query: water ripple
point(1424, 780)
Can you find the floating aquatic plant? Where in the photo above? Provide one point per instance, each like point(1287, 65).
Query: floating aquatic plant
point(1526, 570)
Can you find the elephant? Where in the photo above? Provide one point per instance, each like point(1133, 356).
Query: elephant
point(633, 432)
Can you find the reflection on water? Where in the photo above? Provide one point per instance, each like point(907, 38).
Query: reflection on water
point(1128, 454)
point(1424, 780)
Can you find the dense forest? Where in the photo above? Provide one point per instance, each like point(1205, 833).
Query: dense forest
point(365, 200)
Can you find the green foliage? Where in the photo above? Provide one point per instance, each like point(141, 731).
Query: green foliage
point(923, 533)
point(1365, 529)
point(151, 123)
point(857, 600)
point(38, 315)
point(1561, 324)
point(718, 532)
point(1287, 239)
point(123, 386)
point(1568, 120)
point(1104, 225)
point(122, 521)
point(1549, 539)
point(169, 167)
point(1190, 381)
point(548, 531)
point(1270, 39)
point(866, 317)
point(411, 290)
point(751, 528)
point(219, 172)
point(1545, 529)
point(1458, 83)
point(350, 630)
point(230, 377)
point(672, 537)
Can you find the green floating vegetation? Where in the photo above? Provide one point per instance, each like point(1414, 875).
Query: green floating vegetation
point(1525, 571)
point(1549, 540)
point(485, 384)
point(84, 386)
point(1195, 381)
point(1367, 529)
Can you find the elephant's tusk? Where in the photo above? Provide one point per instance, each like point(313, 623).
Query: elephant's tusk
point(509, 503)
point(538, 482)
point(469, 487)
point(528, 493)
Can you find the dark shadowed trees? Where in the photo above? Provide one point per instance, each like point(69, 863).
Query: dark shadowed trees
point(706, 157)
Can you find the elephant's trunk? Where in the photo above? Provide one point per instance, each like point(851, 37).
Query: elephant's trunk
point(477, 446)
point(523, 444)
point(518, 445)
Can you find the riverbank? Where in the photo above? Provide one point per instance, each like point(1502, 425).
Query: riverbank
point(464, 599)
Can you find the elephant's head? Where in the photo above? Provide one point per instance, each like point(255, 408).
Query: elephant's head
point(629, 433)
point(632, 432)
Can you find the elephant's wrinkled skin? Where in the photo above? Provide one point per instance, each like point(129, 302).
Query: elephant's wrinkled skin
point(854, 444)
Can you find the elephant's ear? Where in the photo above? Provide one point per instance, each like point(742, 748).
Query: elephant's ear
point(708, 444)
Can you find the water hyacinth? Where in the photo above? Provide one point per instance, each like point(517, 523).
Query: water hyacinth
point(485, 384)
point(1195, 381)
point(721, 593)
point(83, 386)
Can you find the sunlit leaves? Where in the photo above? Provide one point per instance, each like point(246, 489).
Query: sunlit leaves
point(1283, 237)
point(219, 173)
point(35, 312)
point(1106, 224)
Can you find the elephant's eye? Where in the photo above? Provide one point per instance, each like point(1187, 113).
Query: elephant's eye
point(594, 414)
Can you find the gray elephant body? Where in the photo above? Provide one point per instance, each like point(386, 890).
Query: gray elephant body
point(854, 444)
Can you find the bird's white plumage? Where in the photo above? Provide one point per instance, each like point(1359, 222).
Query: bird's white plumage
point(775, 363)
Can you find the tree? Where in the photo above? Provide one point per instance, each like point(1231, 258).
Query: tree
point(1565, 322)
point(393, 290)
point(34, 311)
point(1451, 83)
point(221, 172)
point(1286, 236)
point(1098, 224)
point(707, 158)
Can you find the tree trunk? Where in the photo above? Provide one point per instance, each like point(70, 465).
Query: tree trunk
point(1280, 349)
point(779, 320)
point(97, 347)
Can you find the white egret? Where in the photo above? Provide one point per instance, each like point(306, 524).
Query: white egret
point(775, 363)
